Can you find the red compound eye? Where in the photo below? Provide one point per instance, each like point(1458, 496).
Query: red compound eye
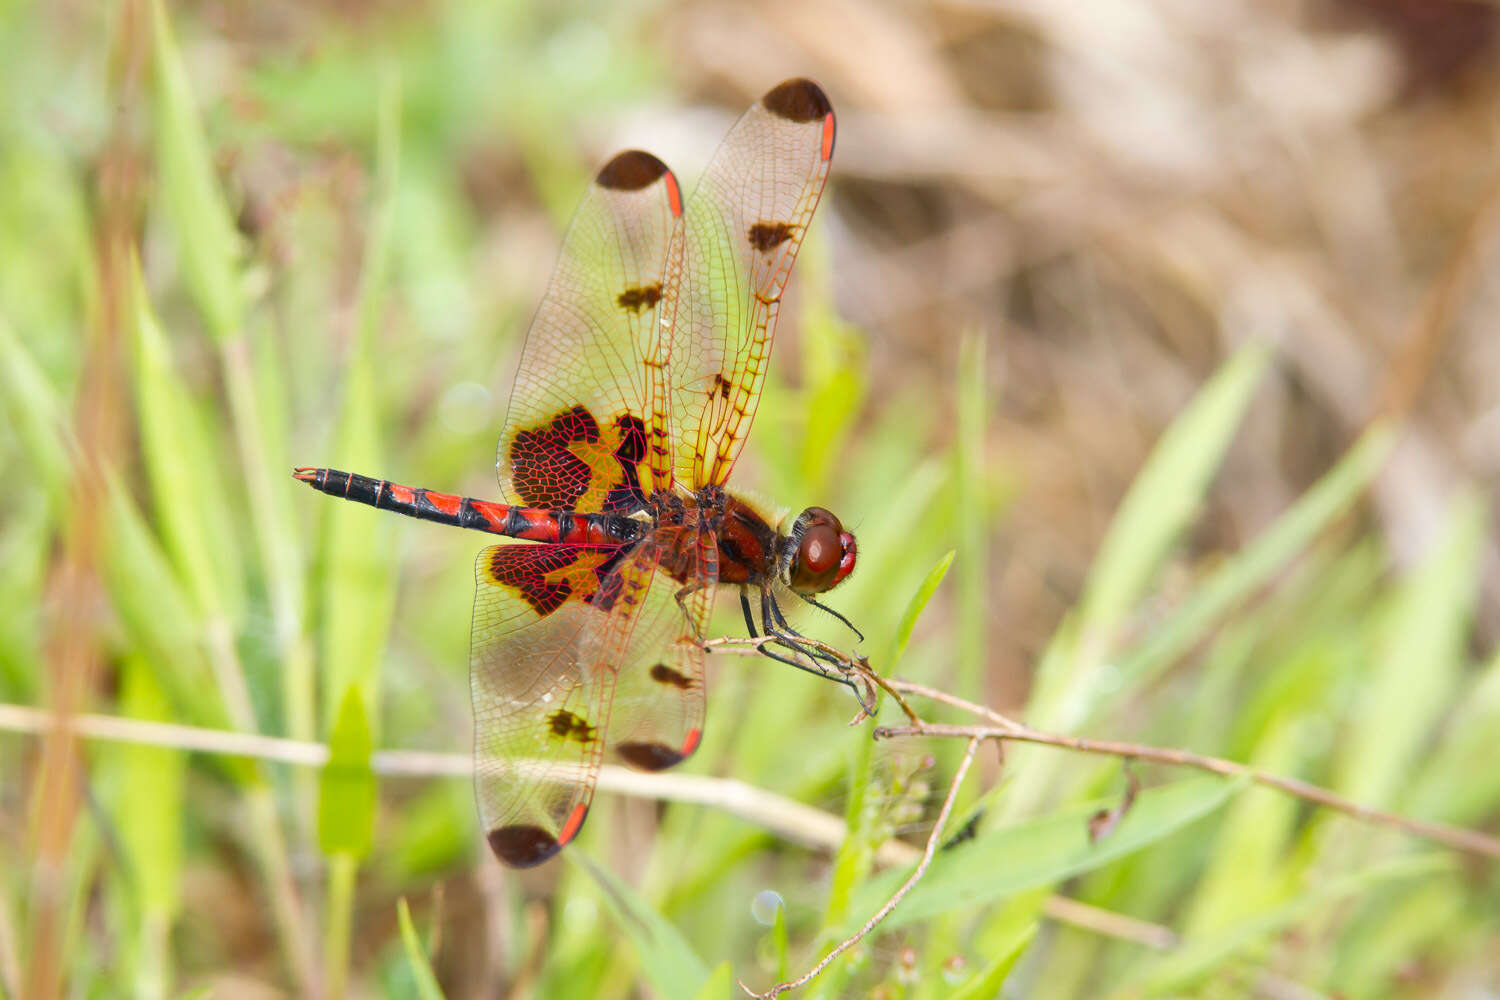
point(825, 552)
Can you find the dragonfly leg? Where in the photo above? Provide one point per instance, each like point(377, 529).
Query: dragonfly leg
point(789, 636)
point(774, 625)
point(823, 607)
point(749, 617)
point(683, 593)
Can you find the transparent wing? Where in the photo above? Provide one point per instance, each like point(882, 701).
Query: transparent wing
point(729, 265)
point(588, 406)
point(658, 717)
point(541, 681)
point(575, 648)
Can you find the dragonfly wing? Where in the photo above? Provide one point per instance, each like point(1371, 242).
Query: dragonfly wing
point(541, 677)
point(576, 648)
point(658, 715)
point(588, 406)
point(729, 265)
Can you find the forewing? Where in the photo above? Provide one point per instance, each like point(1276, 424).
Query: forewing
point(588, 405)
point(541, 678)
point(740, 236)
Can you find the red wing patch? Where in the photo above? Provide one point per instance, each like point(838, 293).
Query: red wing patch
point(547, 576)
point(571, 463)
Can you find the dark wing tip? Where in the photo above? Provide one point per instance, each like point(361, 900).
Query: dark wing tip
point(522, 845)
point(649, 756)
point(798, 100)
point(631, 171)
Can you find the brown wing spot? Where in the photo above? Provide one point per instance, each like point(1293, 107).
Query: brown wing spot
point(798, 100)
point(663, 674)
point(648, 756)
point(566, 726)
point(635, 299)
point(630, 171)
point(767, 236)
point(720, 387)
point(522, 845)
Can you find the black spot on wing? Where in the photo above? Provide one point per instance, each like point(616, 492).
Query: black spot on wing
point(522, 845)
point(636, 299)
point(663, 674)
point(566, 726)
point(630, 171)
point(767, 236)
point(648, 756)
point(797, 100)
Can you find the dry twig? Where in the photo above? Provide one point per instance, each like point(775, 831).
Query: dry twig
point(933, 839)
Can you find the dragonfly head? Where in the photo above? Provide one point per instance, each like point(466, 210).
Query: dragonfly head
point(820, 553)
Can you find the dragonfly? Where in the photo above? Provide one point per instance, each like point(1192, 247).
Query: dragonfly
point(633, 397)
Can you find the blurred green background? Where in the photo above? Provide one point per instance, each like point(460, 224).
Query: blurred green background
point(1174, 321)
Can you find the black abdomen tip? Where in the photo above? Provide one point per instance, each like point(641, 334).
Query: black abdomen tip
point(631, 171)
point(798, 100)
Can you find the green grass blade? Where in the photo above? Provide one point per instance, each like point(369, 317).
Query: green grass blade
point(1459, 784)
point(1168, 491)
point(1158, 508)
point(1253, 567)
point(34, 414)
point(1008, 860)
point(670, 964)
point(914, 609)
point(1416, 669)
point(972, 515)
point(346, 791)
point(149, 818)
point(1196, 959)
point(416, 955)
point(857, 852)
point(834, 377)
point(184, 473)
point(357, 548)
point(719, 985)
point(346, 820)
point(156, 615)
point(991, 979)
point(201, 221)
point(780, 943)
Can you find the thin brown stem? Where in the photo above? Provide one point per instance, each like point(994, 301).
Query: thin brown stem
point(1003, 729)
point(933, 839)
point(1451, 836)
point(934, 694)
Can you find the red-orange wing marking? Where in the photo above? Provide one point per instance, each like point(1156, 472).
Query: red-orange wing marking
point(587, 413)
point(729, 264)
